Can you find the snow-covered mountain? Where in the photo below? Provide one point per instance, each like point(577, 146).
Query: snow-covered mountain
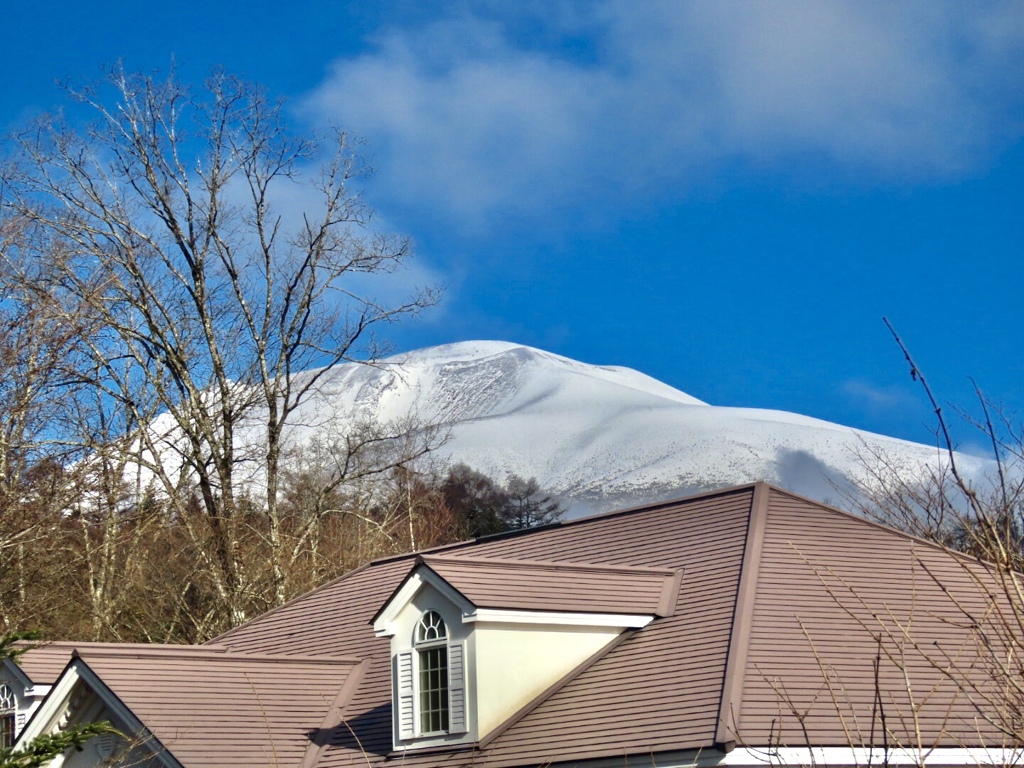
point(597, 436)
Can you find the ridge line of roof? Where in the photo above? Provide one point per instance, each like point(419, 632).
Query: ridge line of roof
point(200, 652)
point(888, 528)
point(63, 644)
point(650, 506)
point(555, 564)
point(734, 675)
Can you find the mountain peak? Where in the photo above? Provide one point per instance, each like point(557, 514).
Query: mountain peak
point(598, 436)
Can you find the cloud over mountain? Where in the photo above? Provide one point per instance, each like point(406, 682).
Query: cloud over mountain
point(512, 112)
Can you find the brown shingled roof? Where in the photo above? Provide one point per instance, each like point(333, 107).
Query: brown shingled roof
point(614, 707)
point(785, 611)
point(44, 662)
point(836, 597)
point(209, 708)
point(553, 586)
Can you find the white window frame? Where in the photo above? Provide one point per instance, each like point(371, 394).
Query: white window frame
point(8, 714)
point(411, 727)
point(430, 640)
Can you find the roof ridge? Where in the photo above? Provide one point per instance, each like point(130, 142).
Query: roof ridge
point(199, 651)
point(650, 506)
point(557, 564)
point(888, 528)
point(739, 634)
point(37, 645)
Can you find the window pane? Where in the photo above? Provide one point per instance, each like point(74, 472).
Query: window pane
point(433, 690)
point(7, 730)
point(430, 628)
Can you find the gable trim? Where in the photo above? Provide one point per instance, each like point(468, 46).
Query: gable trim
point(670, 594)
point(557, 618)
point(49, 709)
point(383, 621)
point(78, 673)
point(19, 674)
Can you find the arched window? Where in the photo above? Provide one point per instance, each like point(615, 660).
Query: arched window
point(431, 644)
point(8, 716)
point(429, 682)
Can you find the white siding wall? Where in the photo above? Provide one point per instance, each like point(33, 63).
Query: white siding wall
point(517, 662)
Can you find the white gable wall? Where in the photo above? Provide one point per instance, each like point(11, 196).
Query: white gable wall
point(515, 663)
point(103, 750)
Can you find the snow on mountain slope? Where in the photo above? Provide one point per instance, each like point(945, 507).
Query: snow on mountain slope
point(597, 436)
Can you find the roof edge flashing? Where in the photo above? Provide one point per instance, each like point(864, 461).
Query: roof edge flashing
point(557, 619)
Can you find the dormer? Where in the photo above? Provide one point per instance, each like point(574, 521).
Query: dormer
point(20, 696)
point(474, 641)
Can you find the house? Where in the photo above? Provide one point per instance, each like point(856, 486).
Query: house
point(25, 683)
point(742, 627)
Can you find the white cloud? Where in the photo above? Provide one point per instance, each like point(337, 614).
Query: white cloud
point(876, 399)
point(479, 122)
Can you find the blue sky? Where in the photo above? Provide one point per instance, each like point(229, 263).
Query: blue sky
point(726, 196)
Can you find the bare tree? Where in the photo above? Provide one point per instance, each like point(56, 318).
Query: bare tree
point(34, 342)
point(343, 472)
point(983, 518)
point(216, 258)
point(483, 506)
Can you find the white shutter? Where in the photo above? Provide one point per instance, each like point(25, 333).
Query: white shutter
point(457, 688)
point(404, 697)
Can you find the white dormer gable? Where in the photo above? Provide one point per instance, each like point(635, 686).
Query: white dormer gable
point(19, 698)
point(474, 642)
point(79, 697)
point(429, 648)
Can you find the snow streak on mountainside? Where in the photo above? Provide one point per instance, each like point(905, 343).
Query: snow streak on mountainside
point(597, 436)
